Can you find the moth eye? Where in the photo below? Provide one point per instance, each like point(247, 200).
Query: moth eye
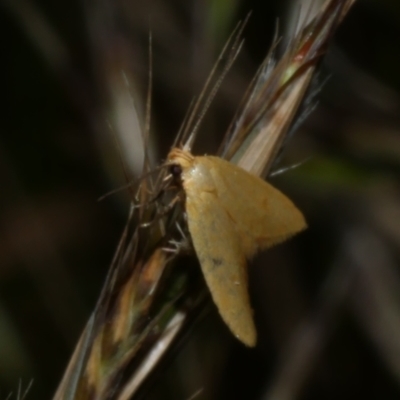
point(175, 170)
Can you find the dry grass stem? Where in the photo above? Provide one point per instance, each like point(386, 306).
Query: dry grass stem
point(149, 298)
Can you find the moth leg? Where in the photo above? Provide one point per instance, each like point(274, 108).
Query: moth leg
point(183, 244)
point(162, 213)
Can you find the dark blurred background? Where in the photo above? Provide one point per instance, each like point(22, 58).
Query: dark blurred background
point(327, 304)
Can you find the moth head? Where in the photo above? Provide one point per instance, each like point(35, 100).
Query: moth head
point(181, 158)
point(176, 171)
point(178, 161)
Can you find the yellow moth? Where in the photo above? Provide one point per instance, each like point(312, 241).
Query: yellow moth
point(231, 215)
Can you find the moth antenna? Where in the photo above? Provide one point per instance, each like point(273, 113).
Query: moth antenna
point(154, 199)
point(114, 191)
point(132, 183)
point(165, 186)
point(161, 214)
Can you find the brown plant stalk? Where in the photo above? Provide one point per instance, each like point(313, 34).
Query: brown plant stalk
point(150, 297)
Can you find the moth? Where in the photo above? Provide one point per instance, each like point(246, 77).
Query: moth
point(231, 215)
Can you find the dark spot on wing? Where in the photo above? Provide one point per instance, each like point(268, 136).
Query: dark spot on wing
point(217, 262)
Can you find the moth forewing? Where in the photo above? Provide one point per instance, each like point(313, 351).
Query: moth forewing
point(231, 215)
point(223, 263)
point(263, 215)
